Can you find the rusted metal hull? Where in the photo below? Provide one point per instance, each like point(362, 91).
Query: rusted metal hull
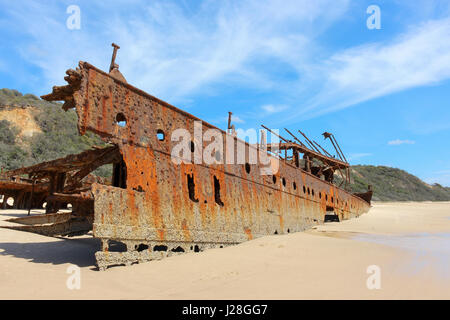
point(167, 208)
point(20, 192)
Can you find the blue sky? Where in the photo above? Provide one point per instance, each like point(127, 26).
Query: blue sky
point(309, 65)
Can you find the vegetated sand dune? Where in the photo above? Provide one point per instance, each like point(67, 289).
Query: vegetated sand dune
point(408, 242)
point(23, 119)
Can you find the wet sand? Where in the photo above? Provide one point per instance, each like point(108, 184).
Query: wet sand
point(409, 242)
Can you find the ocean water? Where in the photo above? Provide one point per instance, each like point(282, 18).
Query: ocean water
point(430, 251)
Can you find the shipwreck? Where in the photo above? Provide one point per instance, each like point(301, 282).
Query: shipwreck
point(156, 207)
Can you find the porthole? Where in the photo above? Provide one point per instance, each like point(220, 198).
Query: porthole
point(294, 185)
point(160, 134)
point(284, 182)
point(274, 179)
point(247, 167)
point(10, 201)
point(312, 192)
point(121, 121)
point(304, 189)
point(192, 146)
point(309, 191)
point(320, 195)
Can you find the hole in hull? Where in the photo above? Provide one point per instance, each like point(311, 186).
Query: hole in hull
point(330, 215)
point(217, 192)
point(141, 247)
point(160, 248)
point(119, 178)
point(117, 246)
point(191, 187)
point(160, 135)
point(247, 168)
point(121, 121)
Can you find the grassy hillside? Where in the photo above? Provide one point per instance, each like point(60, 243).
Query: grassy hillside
point(392, 184)
point(58, 136)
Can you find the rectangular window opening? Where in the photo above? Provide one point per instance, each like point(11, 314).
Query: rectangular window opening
point(217, 192)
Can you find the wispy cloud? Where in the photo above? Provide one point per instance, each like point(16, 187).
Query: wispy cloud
point(399, 142)
point(171, 50)
point(270, 108)
point(418, 57)
point(175, 51)
point(236, 119)
point(357, 156)
point(223, 121)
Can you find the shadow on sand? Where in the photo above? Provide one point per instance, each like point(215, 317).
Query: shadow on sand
point(80, 252)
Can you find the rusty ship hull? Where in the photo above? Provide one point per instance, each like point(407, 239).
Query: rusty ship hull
point(158, 208)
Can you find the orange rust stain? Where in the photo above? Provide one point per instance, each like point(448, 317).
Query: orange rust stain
point(279, 196)
point(152, 191)
point(184, 227)
point(176, 197)
point(189, 212)
point(254, 202)
point(281, 223)
point(160, 125)
point(132, 208)
point(142, 172)
point(192, 168)
point(184, 186)
point(161, 234)
point(212, 208)
point(101, 120)
point(244, 198)
point(128, 113)
point(84, 118)
point(248, 232)
point(106, 117)
point(303, 176)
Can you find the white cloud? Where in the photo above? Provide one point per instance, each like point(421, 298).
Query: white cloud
point(357, 156)
point(236, 119)
point(171, 50)
point(270, 108)
point(399, 142)
point(421, 56)
point(224, 120)
point(174, 51)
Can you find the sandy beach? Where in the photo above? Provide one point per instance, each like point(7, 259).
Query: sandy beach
point(409, 243)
